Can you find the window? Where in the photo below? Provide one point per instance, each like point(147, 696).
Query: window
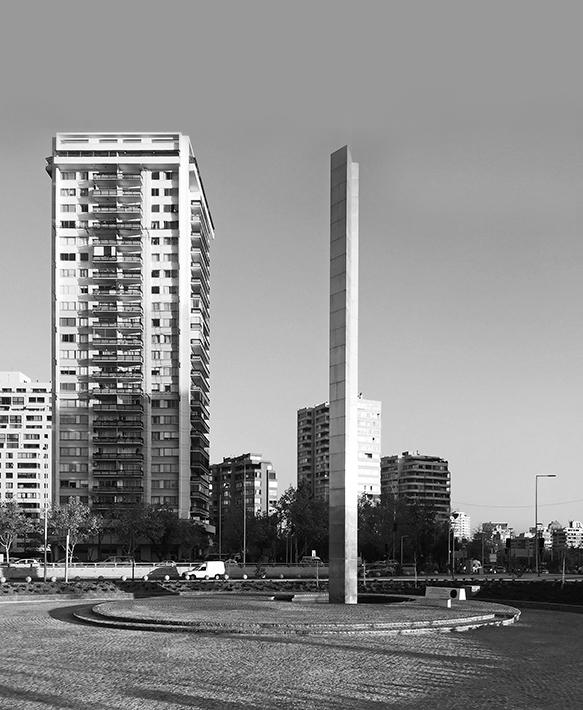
point(155, 225)
point(155, 192)
point(68, 257)
point(67, 192)
point(84, 256)
point(155, 175)
point(171, 274)
point(155, 208)
point(170, 192)
point(171, 225)
point(68, 208)
point(84, 175)
point(67, 322)
point(155, 257)
point(170, 208)
point(68, 224)
point(155, 241)
point(68, 273)
point(68, 175)
point(68, 337)
point(155, 322)
point(155, 274)
point(67, 387)
point(155, 289)
point(169, 175)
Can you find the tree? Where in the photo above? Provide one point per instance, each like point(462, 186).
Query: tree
point(13, 523)
point(71, 524)
point(304, 519)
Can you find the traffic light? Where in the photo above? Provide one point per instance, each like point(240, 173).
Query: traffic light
point(508, 543)
point(541, 544)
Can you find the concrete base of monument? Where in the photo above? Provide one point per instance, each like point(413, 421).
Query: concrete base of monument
point(227, 613)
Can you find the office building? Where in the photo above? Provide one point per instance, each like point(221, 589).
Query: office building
point(418, 478)
point(250, 472)
point(25, 442)
point(130, 277)
point(313, 445)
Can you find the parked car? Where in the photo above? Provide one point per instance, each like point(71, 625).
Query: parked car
point(309, 561)
point(212, 569)
point(118, 560)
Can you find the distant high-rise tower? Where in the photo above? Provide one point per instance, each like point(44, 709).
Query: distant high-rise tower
point(419, 478)
point(131, 239)
point(313, 448)
point(25, 442)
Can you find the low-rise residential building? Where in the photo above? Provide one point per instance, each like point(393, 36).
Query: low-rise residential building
point(25, 442)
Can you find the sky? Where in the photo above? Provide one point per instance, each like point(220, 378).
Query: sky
point(466, 119)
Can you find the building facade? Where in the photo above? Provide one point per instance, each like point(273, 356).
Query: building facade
point(25, 442)
point(130, 277)
point(250, 473)
point(461, 525)
point(419, 478)
point(313, 447)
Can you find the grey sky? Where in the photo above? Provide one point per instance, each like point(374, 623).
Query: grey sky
point(466, 121)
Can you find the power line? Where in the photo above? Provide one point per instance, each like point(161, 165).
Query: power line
point(540, 505)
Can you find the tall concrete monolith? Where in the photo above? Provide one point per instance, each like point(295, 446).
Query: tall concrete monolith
point(343, 377)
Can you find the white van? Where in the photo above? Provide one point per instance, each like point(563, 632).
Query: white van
point(211, 569)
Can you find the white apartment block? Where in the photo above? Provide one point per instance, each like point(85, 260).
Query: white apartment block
point(461, 525)
point(25, 442)
point(130, 277)
point(313, 446)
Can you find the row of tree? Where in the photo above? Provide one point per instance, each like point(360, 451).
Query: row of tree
point(156, 526)
point(403, 530)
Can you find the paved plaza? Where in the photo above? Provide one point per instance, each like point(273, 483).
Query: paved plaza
point(49, 661)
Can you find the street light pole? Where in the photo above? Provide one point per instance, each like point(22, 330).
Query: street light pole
point(537, 476)
point(244, 515)
point(402, 538)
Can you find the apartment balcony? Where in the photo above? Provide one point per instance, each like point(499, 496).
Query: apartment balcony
point(121, 178)
point(118, 456)
point(107, 193)
point(111, 490)
point(199, 424)
point(120, 342)
point(127, 242)
point(123, 470)
point(118, 258)
point(115, 407)
point(116, 376)
point(117, 423)
point(126, 294)
point(106, 358)
point(115, 440)
point(112, 307)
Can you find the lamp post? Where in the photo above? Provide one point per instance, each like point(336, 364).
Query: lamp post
point(244, 515)
point(402, 538)
point(537, 476)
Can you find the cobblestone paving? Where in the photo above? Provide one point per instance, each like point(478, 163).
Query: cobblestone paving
point(46, 661)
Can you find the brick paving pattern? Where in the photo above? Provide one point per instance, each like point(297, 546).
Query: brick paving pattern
point(46, 661)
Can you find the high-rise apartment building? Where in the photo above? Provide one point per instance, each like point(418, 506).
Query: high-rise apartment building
point(25, 442)
point(131, 239)
point(419, 478)
point(313, 445)
point(250, 473)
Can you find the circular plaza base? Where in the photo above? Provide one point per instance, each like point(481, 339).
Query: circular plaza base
point(256, 614)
